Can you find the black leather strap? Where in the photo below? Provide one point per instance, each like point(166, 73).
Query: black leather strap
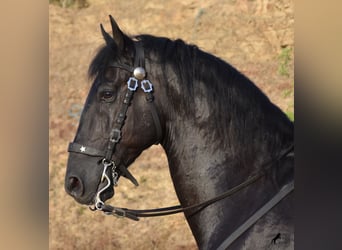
point(139, 59)
point(286, 190)
point(81, 149)
point(193, 209)
point(155, 116)
point(118, 124)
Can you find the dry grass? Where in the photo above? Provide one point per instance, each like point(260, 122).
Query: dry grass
point(248, 34)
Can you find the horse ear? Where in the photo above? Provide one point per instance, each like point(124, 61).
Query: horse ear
point(109, 40)
point(118, 35)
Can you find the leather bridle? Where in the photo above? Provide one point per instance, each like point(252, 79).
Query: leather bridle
point(139, 75)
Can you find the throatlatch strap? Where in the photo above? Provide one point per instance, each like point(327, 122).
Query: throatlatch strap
point(155, 116)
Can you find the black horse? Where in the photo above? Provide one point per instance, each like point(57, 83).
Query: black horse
point(216, 127)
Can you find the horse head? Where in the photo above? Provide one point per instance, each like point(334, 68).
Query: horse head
point(114, 127)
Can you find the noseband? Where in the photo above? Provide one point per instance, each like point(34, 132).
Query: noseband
point(139, 75)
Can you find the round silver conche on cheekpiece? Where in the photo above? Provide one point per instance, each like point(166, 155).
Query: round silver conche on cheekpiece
point(139, 73)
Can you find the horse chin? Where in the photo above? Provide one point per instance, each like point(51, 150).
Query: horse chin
point(109, 193)
point(89, 200)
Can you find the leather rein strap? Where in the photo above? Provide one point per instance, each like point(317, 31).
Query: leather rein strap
point(257, 215)
point(135, 214)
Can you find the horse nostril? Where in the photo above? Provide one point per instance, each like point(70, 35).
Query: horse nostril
point(74, 186)
point(74, 183)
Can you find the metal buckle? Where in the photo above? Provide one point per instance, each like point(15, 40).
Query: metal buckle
point(120, 213)
point(115, 175)
point(147, 86)
point(116, 135)
point(132, 84)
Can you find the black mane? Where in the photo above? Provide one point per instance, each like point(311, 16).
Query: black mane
point(235, 102)
point(102, 59)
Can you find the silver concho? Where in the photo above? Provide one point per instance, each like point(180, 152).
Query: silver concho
point(139, 73)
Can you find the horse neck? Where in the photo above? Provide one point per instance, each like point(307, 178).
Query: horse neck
point(206, 158)
point(204, 164)
point(200, 171)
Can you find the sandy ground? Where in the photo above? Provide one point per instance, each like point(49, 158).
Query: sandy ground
point(254, 36)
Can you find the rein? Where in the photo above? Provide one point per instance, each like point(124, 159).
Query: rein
point(135, 214)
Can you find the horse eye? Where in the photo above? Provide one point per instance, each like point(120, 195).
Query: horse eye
point(107, 95)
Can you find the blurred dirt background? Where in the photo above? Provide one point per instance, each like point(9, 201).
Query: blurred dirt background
point(255, 36)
